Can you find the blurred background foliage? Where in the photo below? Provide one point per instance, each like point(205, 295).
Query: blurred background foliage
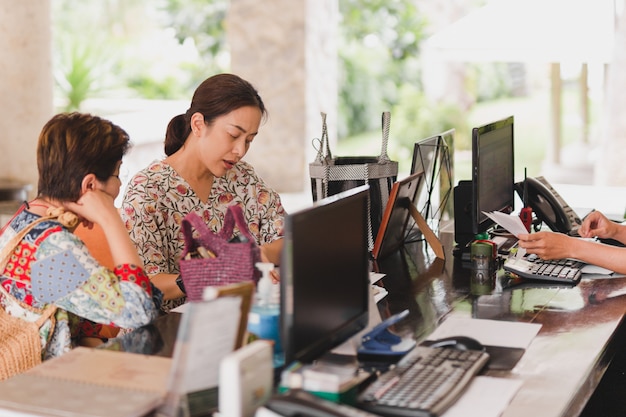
point(106, 48)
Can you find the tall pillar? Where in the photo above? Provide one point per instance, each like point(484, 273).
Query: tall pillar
point(26, 85)
point(610, 168)
point(288, 50)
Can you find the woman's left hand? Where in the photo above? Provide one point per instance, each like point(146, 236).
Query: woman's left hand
point(274, 274)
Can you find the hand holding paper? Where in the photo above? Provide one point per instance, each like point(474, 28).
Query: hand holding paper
point(513, 224)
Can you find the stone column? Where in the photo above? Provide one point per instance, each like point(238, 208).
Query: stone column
point(610, 168)
point(288, 50)
point(26, 85)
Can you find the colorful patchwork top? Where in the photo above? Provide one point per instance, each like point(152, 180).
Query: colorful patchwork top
point(52, 265)
point(157, 199)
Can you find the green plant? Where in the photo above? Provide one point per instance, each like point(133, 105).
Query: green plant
point(378, 50)
point(151, 88)
point(416, 117)
point(78, 70)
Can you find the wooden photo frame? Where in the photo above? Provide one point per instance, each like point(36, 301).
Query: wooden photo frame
point(398, 211)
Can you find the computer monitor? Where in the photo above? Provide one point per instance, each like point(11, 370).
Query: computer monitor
point(433, 156)
point(324, 275)
point(492, 172)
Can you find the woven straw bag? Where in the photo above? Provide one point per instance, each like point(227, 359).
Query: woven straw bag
point(230, 263)
point(20, 341)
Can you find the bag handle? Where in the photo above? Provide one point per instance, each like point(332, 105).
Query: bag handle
point(234, 216)
point(193, 221)
point(386, 122)
point(8, 249)
point(5, 255)
point(323, 152)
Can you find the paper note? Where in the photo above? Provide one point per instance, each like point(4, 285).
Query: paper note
point(488, 332)
point(513, 224)
point(206, 334)
point(485, 397)
point(375, 277)
point(88, 382)
point(123, 370)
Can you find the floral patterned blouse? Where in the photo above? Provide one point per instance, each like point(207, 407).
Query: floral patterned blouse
point(52, 265)
point(157, 199)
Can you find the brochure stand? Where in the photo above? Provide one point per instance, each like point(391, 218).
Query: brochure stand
point(193, 384)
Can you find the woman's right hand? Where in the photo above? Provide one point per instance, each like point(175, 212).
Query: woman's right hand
point(98, 207)
point(94, 206)
point(546, 245)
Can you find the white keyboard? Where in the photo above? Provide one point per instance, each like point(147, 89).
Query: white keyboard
point(558, 270)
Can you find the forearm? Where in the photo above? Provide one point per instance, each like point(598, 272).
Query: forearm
point(122, 249)
point(620, 233)
point(272, 251)
point(606, 256)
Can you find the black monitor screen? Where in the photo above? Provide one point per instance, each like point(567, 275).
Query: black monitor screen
point(492, 172)
point(324, 275)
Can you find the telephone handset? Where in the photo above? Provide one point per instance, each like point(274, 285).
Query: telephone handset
point(549, 206)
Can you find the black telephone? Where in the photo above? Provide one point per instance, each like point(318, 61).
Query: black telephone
point(549, 206)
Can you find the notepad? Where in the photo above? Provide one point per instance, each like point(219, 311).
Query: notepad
point(89, 382)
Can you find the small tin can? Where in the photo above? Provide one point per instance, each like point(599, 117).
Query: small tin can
point(483, 259)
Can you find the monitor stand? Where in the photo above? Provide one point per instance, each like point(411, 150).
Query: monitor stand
point(429, 235)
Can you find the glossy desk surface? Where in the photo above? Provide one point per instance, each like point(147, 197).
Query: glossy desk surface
point(581, 325)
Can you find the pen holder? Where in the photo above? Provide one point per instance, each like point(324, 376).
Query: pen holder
point(483, 260)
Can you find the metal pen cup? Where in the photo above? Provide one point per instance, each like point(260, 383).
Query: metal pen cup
point(483, 260)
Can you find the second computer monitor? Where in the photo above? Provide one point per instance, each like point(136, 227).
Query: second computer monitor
point(493, 187)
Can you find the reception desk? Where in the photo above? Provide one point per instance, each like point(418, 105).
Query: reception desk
point(581, 326)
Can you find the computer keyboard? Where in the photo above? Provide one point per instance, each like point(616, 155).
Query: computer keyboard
point(533, 267)
point(425, 382)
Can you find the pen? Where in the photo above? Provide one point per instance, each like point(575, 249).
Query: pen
point(525, 193)
point(592, 210)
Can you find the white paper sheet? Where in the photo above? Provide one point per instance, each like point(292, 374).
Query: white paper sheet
point(375, 277)
point(485, 397)
point(207, 333)
point(595, 270)
point(488, 332)
point(513, 224)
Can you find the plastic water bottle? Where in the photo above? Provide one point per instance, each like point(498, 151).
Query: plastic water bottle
point(263, 320)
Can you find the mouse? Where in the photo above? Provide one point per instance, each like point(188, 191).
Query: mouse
point(458, 342)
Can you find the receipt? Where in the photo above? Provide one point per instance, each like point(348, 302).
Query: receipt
point(513, 224)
